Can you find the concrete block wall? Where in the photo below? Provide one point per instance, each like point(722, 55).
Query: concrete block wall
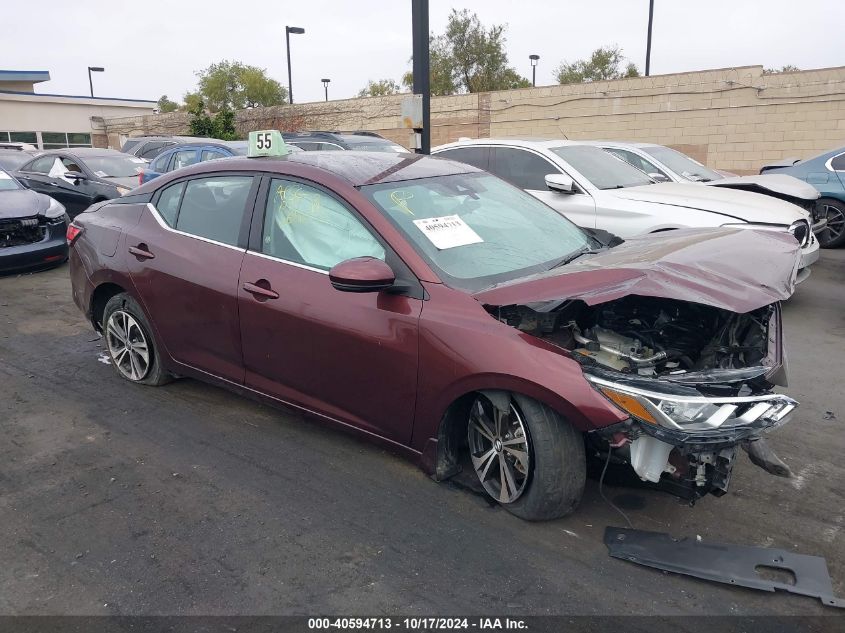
point(735, 119)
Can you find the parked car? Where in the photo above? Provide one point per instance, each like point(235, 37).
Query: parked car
point(11, 159)
point(826, 172)
point(334, 141)
point(665, 164)
point(79, 177)
point(17, 146)
point(446, 314)
point(595, 189)
point(148, 147)
point(187, 154)
point(32, 228)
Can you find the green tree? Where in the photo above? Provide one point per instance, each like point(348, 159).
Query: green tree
point(604, 63)
point(191, 101)
point(789, 68)
point(234, 86)
point(222, 126)
point(166, 105)
point(379, 88)
point(469, 57)
point(200, 123)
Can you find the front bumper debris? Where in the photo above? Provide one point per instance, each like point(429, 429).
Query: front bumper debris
point(722, 562)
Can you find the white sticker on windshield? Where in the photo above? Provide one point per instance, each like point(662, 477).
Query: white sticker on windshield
point(448, 231)
point(101, 174)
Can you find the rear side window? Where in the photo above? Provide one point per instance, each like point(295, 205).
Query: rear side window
point(150, 150)
point(475, 156)
point(184, 158)
point(160, 164)
point(521, 168)
point(213, 208)
point(208, 154)
point(838, 163)
point(40, 165)
point(168, 203)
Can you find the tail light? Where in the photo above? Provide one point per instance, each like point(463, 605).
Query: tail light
point(73, 232)
point(140, 178)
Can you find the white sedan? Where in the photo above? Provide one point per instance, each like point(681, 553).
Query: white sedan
point(597, 190)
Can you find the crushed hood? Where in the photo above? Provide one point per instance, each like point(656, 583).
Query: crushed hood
point(737, 205)
point(734, 269)
point(22, 203)
point(769, 184)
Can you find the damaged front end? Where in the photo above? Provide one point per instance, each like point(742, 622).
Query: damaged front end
point(695, 380)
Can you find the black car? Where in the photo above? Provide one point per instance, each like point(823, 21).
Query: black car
point(79, 177)
point(333, 141)
point(32, 228)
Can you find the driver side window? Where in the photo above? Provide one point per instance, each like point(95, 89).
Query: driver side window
point(305, 225)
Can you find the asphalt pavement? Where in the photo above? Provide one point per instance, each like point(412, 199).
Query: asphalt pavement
point(188, 499)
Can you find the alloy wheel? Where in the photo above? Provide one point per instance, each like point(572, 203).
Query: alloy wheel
point(128, 345)
point(500, 450)
point(835, 224)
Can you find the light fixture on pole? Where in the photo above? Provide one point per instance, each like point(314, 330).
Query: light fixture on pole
point(93, 69)
point(326, 87)
point(296, 31)
point(533, 59)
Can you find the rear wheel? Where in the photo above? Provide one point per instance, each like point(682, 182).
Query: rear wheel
point(832, 235)
point(526, 456)
point(130, 344)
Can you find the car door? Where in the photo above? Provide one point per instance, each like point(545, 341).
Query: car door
point(528, 170)
point(46, 175)
point(35, 174)
point(76, 194)
point(350, 356)
point(184, 257)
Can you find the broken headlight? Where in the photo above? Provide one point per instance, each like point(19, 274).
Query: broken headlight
point(695, 413)
point(55, 210)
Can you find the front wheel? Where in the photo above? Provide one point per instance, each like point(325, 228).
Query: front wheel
point(526, 456)
point(832, 235)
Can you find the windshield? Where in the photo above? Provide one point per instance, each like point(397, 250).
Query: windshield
point(682, 164)
point(603, 170)
point(475, 229)
point(7, 183)
point(114, 166)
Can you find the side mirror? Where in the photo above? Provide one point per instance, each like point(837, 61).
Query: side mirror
point(362, 274)
point(560, 183)
point(75, 175)
point(659, 177)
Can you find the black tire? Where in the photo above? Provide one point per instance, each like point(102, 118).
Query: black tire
point(832, 237)
point(557, 469)
point(153, 373)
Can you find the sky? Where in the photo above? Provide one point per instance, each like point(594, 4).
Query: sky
point(151, 49)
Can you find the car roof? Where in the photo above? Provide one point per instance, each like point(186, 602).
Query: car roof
point(358, 168)
point(86, 152)
point(527, 142)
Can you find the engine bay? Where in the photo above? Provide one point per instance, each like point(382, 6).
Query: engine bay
point(649, 337)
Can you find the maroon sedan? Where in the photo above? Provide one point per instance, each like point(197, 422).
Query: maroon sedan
point(446, 314)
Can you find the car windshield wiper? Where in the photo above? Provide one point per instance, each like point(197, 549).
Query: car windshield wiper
point(573, 256)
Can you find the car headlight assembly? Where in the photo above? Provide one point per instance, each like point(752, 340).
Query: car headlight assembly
point(54, 211)
point(695, 413)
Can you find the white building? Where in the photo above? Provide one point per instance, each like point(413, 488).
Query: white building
point(51, 121)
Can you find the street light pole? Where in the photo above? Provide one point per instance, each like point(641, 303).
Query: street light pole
point(296, 31)
point(94, 69)
point(326, 86)
point(422, 80)
point(533, 59)
point(648, 40)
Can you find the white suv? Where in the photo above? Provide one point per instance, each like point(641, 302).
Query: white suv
point(597, 190)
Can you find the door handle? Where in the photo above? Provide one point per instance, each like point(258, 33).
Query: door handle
point(53, 184)
point(141, 251)
point(259, 291)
